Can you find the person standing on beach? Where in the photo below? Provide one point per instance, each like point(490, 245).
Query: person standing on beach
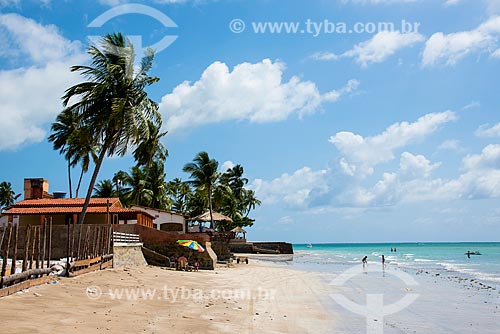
point(383, 261)
point(365, 261)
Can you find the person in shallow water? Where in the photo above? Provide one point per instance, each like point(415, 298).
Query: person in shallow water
point(365, 260)
point(383, 261)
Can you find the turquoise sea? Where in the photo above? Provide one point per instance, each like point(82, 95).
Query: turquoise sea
point(433, 257)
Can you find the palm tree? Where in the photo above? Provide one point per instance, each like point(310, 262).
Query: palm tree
point(120, 179)
point(7, 195)
point(62, 130)
point(104, 189)
point(113, 103)
point(138, 193)
point(156, 183)
point(179, 193)
point(204, 176)
point(250, 202)
point(233, 177)
point(152, 148)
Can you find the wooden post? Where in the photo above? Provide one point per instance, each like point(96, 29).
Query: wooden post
point(32, 246)
point(44, 229)
point(79, 242)
point(14, 251)
point(3, 236)
point(5, 254)
point(26, 247)
point(38, 247)
point(86, 243)
point(96, 242)
point(72, 245)
point(107, 211)
point(67, 253)
point(49, 246)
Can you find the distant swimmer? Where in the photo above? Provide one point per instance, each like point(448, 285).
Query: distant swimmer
point(395, 250)
point(468, 254)
point(392, 250)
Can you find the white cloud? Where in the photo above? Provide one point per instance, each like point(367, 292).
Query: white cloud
point(375, 50)
point(416, 166)
point(325, 56)
point(493, 6)
point(489, 158)
point(31, 94)
point(451, 48)
point(324, 190)
point(253, 92)
point(360, 154)
point(293, 190)
point(227, 165)
point(451, 145)
point(40, 43)
point(486, 131)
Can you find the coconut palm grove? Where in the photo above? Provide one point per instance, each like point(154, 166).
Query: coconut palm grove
point(110, 114)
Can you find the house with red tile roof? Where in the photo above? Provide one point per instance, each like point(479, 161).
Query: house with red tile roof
point(39, 207)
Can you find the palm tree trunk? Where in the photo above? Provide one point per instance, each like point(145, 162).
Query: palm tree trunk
point(79, 183)
point(210, 206)
point(69, 180)
point(92, 183)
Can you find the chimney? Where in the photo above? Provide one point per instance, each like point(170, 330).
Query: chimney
point(36, 188)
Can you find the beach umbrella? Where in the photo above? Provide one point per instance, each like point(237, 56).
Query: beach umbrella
point(194, 245)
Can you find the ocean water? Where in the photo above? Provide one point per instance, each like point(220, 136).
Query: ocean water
point(432, 257)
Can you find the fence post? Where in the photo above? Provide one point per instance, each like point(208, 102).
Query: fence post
point(27, 238)
point(14, 255)
point(67, 254)
point(5, 255)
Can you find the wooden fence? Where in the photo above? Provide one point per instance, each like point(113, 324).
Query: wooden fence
point(84, 247)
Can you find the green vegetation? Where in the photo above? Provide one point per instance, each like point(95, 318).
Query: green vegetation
point(7, 195)
point(111, 113)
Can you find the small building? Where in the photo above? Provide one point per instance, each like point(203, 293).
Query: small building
point(40, 207)
point(165, 220)
point(62, 211)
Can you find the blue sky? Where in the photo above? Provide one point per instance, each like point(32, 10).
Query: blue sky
point(373, 136)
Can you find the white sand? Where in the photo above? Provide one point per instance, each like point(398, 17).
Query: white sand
point(282, 301)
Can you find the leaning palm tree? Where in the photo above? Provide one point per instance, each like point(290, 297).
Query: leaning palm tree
point(7, 195)
point(113, 102)
point(204, 176)
point(104, 189)
point(152, 149)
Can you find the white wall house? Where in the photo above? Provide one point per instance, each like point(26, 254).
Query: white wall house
point(165, 220)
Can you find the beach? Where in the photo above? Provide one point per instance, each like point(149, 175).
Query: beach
point(265, 296)
point(254, 298)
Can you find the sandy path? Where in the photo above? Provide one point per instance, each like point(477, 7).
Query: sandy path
point(254, 298)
